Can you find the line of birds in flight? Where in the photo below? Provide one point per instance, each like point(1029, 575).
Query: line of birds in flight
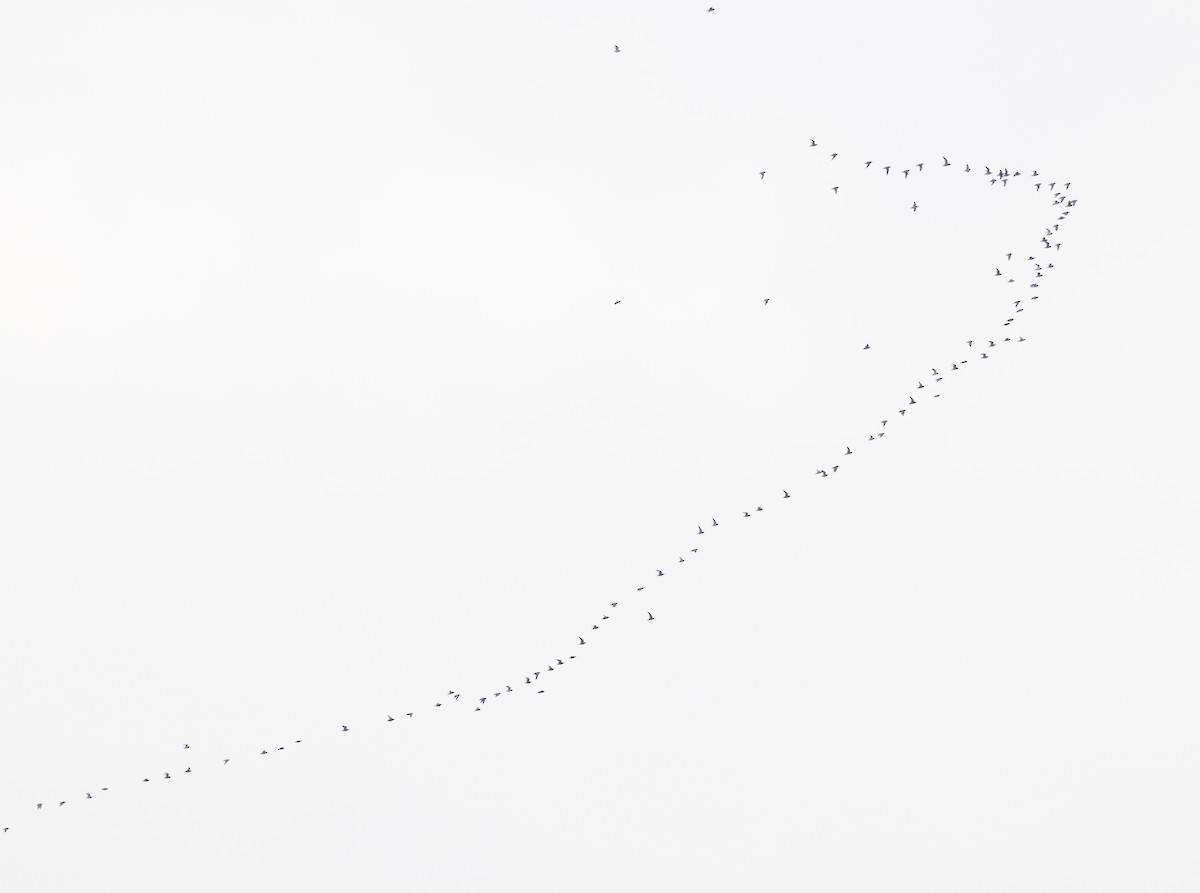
point(1033, 267)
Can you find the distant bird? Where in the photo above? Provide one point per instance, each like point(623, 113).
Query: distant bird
point(581, 642)
point(166, 775)
point(391, 718)
point(921, 166)
point(787, 495)
point(89, 796)
point(699, 529)
point(813, 144)
point(187, 747)
point(998, 273)
point(615, 303)
point(715, 524)
point(914, 206)
point(762, 174)
point(833, 156)
point(911, 401)
point(903, 411)
point(866, 347)
point(887, 169)
point(345, 729)
point(226, 762)
point(868, 164)
point(712, 9)
point(261, 753)
point(835, 189)
point(745, 514)
point(759, 509)
point(766, 301)
point(848, 451)
point(39, 806)
point(651, 617)
point(945, 161)
point(61, 802)
point(835, 467)
point(905, 172)
point(616, 49)
point(968, 170)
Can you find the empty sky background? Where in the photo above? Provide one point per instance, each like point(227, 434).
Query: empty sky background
point(315, 404)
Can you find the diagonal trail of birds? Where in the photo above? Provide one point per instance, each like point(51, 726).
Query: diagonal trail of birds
point(1029, 269)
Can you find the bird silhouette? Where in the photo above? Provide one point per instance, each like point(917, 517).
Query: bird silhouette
point(945, 161)
point(651, 617)
point(616, 49)
point(787, 495)
point(762, 175)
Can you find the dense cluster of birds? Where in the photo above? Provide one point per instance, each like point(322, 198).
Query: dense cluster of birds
point(1027, 267)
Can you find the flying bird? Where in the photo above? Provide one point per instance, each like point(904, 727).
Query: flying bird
point(616, 49)
point(945, 161)
point(787, 495)
point(651, 617)
point(762, 174)
point(914, 206)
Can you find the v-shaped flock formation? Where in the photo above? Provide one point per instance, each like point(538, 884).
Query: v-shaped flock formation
point(1022, 268)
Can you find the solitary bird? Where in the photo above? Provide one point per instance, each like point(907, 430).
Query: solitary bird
point(813, 144)
point(762, 174)
point(945, 161)
point(581, 642)
point(345, 729)
point(835, 189)
point(848, 451)
point(699, 529)
point(911, 401)
point(787, 495)
point(651, 617)
point(866, 347)
point(661, 574)
point(616, 49)
point(391, 718)
point(914, 206)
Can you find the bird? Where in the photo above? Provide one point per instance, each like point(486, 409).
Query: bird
point(615, 303)
point(921, 166)
point(905, 172)
point(887, 169)
point(185, 772)
point(715, 524)
point(187, 747)
point(166, 775)
point(61, 802)
point(89, 796)
point(226, 762)
point(914, 206)
point(581, 642)
point(998, 273)
point(699, 529)
point(866, 347)
point(787, 495)
point(712, 9)
point(911, 401)
point(833, 156)
point(345, 729)
point(39, 806)
point(651, 617)
point(835, 189)
point(762, 174)
point(869, 164)
point(661, 574)
point(813, 144)
point(848, 451)
point(391, 718)
point(968, 170)
point(945, 161)
point(261, 752)
point(616, 49)
point(766, 301)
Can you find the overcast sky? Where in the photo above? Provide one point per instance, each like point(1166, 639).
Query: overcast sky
point(316, 404)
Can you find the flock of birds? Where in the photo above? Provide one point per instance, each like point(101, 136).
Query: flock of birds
point(1030, 267)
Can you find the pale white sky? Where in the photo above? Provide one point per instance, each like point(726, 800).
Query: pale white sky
point(316, 405)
